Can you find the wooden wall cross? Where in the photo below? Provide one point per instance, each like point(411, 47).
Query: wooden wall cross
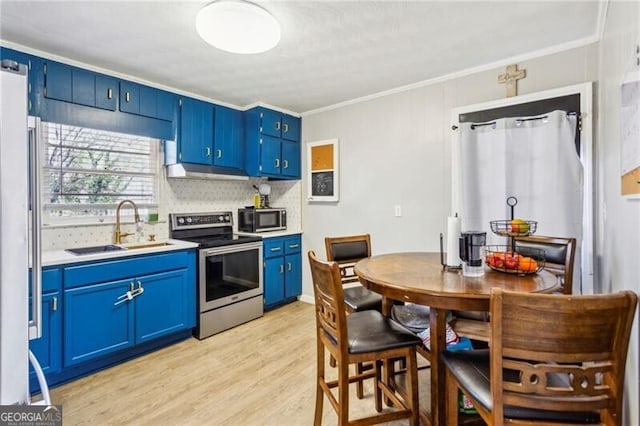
point(510, 79)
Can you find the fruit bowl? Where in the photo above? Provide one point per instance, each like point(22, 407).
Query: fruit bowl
point(514, 227)
point(501, 258)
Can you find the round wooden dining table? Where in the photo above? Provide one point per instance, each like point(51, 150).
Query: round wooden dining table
point(418, 277)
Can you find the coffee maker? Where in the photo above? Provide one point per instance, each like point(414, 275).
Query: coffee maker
point(471, 252)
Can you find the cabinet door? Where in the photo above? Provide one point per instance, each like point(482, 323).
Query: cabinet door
point(270, 155)
point(290, 159)
point(228, 138)
point(48, 348)
point(273, 280)
point(270, 123)
point(83, 87)
point(290, 128)
point(166, 105)
point(129, 97)
point(163, 307)
point(57, 81)
point(293, 275)
point(148, 101)
point(196, 131)
point(106, 92)
point(93, 324)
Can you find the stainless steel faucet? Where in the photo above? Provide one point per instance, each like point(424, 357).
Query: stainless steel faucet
point(118, 234)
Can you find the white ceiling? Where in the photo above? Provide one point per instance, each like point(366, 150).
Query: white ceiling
point(330, 52)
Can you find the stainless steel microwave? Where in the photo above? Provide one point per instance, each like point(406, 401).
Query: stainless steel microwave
point(261, 220)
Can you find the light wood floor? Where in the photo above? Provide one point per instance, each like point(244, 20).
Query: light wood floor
point(259, 373)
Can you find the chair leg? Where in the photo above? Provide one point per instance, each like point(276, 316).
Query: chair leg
point(451, 404)
point(343, 393)
point(317, 421)
point(376, 385)
point(412, 387)
point(360, 383)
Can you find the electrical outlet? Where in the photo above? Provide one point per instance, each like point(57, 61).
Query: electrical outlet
point(397, 210)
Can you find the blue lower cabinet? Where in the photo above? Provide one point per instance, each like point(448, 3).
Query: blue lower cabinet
point(163, 306)
point(282, 270)
point(90, 323)
point(48, 348)
point(95, 322)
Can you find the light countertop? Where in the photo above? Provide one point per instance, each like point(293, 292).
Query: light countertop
point(60, 257)
point(272, 234)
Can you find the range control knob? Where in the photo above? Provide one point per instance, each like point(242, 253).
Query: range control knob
point(220, 218)
point(189, 220)
point(227, 218)
point(180, 220)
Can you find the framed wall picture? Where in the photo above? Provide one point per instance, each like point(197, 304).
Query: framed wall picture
point(323, 175)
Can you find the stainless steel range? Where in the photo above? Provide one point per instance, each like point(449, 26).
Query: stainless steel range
point(229, 270)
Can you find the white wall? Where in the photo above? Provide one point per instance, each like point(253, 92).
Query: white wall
point(395, 150)
point(618, 241)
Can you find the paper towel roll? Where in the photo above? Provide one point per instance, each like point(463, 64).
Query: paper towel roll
point(453, 245)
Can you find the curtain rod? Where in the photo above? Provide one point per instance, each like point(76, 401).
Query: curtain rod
point(490, 123)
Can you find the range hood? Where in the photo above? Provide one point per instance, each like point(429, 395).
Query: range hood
point(201, 171)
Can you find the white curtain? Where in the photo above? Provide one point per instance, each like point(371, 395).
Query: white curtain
point(531, 158)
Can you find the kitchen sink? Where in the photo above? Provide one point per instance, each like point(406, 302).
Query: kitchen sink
point(95, 249)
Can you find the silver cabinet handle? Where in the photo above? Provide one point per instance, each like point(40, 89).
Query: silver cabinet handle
point(285, 128)
point(54, 304)
point(219, 153)
point(277, 163)
point(127, 97)
point(285, 163)
point(282, 269)
point(275, 248)
point(294, 246)
point(109, 93)
point(288, 266)
point(277, 125)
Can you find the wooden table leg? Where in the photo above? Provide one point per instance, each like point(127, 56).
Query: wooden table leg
point(387, 304)
point(437, 322)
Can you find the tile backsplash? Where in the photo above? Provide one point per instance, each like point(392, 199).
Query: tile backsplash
point(183, 196)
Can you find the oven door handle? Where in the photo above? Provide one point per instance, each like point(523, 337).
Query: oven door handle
point(234, 248)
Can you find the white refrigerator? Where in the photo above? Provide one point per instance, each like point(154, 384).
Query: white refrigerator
point(20, 251)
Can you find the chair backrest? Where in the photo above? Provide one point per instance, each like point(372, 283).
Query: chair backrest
point(347, 251)
point(329, 300)
point(560, 353)
point(559, 255)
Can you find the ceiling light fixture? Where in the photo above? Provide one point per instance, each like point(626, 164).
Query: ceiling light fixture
point(238, 26)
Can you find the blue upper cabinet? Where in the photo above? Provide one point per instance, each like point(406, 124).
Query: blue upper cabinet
point(228, 138)
point(65, 83)
point(211, 135)
point(272, 143)
point(195, 139)
point(290, 128)
point(147, 101)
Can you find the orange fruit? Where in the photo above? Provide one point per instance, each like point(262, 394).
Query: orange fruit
point(527, 264)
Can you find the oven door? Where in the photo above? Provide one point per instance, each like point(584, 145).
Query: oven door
point(229, 274)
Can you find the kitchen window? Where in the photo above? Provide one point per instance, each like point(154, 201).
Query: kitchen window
point(87, 172)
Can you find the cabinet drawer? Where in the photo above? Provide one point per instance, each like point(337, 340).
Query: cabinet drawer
point(273, 247)
point(99, 272)
point(292, 245)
